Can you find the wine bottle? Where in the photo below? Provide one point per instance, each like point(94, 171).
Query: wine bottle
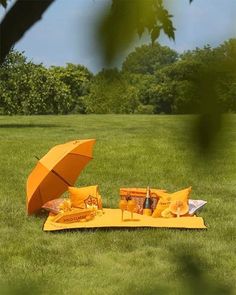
point(147, 209)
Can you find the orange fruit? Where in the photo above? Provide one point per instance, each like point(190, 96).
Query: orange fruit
point(179, 207)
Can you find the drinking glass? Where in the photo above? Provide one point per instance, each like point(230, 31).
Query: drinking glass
point(131, 205)
point(123, 207)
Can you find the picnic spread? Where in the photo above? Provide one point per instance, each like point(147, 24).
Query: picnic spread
point(50, 187)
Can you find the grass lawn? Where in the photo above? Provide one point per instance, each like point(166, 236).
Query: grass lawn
point(130, 151)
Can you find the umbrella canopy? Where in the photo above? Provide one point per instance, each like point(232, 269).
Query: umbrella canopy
point(57, 170)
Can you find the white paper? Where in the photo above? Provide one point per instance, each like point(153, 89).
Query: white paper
point(195, 205)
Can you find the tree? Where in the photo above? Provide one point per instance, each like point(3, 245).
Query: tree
point(77, 78)
point(147, 59)
point(111, 93)
point(177, 88)
point(227, 84)
point(23, 13)
point(199, 81)
point(28, 89)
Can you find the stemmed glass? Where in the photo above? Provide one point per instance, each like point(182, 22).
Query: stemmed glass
point(131, 205)
point(127, 204)
point(123, 207)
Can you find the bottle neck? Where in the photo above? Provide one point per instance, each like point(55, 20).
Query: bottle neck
point(148, 193)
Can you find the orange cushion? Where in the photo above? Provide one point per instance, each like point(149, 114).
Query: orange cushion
point(85, 197)
point(165, 200)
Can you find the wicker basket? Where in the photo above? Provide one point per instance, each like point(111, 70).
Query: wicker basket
point(139, 195)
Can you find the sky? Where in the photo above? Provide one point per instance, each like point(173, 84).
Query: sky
point(66, 33)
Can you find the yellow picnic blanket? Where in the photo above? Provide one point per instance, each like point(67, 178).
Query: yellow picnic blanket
point(111, 218)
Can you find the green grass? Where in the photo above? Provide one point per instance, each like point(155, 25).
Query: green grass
point(130, 151)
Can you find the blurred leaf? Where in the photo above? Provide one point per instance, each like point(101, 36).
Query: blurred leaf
point(19, 287)
point(155, 33)
point(209, 123)
point(168, 29)
point(3, 3)
point(195, 278)
point(127, 18)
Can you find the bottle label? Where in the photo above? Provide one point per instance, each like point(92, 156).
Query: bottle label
point(147, 212)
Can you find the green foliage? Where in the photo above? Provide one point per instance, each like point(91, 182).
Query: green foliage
point(147, 59)
point(126, 18)
point(226, 88)
point(111, 93)
point(175, 88)
point(29, 89)
point(144, 83)
point(145, 109)
point(77, 78)
point(201, 81)
point(212, 78)
point(154, 79)
point(48, 95)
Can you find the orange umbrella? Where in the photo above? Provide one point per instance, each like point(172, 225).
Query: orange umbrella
point(57, 170)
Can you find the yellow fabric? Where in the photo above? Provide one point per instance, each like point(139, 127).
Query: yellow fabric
point(74, 215)
point(166, 199)
point(112, 219)
point(167, 213)
point(85, 197)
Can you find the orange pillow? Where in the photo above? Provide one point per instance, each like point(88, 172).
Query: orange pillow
point(85, 197)
point(165, 200)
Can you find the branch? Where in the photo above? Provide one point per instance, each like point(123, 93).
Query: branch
point(23, 15)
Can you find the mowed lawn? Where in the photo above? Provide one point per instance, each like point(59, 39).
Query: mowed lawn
point(137, 150)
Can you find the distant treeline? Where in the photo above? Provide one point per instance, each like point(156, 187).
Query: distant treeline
point(154, 79)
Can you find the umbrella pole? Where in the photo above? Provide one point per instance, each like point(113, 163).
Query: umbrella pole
point(58, 175)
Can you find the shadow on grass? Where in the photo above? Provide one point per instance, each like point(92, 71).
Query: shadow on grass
point(14, 125)
point(18, 287)
point(195, 275)
point(192, 278)
point(119, 229)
